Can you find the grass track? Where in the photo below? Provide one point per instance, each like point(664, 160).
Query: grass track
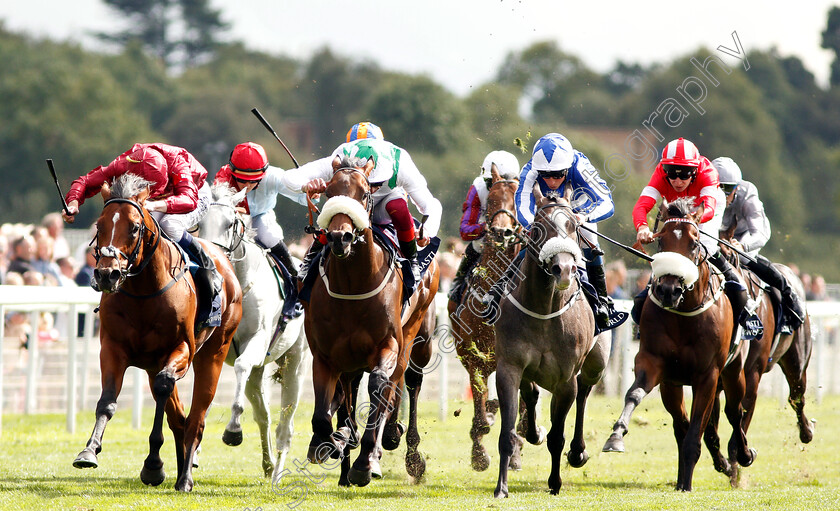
point(36, 471)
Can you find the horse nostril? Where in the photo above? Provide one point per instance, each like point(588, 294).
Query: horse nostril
point(508, 233)
point(114, 276)
point(347, 237)
point(329, 237)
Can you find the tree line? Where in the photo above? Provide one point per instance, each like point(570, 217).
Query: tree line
point(82, 108)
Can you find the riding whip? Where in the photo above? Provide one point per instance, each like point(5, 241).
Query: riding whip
point(269, 128)
point(57, 186)
point(625, 247)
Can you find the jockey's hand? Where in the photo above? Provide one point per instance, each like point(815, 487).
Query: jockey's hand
point(240, 210)
point(581, 218)
point(69, 216)
point(315, 187)
point(155, 205)
point(737, 244)
point(643, 235)
point(422, 242)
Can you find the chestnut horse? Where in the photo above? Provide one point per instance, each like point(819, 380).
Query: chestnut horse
point(475, 339)
point(147, 317)
point(545, 336)
point(686, 333)
point(354, 323)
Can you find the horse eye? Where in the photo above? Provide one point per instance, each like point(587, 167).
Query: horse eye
point(135, 228)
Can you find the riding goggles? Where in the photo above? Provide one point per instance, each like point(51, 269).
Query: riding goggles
point(728, 188)
point(553, 174)
point(679, 171)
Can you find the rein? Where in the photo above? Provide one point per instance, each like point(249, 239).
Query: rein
point(239, 232)
point(564, 308)
point(362, 296)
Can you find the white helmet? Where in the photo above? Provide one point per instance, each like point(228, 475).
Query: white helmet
point(552, 152)
point(728, 171)
point(506, 164)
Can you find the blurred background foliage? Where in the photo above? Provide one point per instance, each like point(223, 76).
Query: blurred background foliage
point(83, 108)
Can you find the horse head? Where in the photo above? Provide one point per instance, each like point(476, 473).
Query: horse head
point(222, 225)
point(346, 214)
point(554, 231)
point(502, 225)
point(675, 267)
point(121, 230)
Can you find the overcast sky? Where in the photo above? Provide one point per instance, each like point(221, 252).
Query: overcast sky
point(461, 43)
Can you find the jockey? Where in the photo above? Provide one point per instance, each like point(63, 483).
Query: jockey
point(474, 210)
point(394, 178)
point(248, 168)
point(553, 166)
point(178, 199)
point(683, 172)
point(752, 230)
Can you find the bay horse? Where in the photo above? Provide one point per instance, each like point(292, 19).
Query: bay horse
point(354, 323)
point(259, 339)
point(475, 338)
point(790, 349)
point(545, 335)
point(686, 330)
point(147, 318)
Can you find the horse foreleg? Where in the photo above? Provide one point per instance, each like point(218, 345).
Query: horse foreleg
point(242, 368)
point(561, 402)
point(508, 380)
point(647, 377)
point(415, 465)
point(530, 393)
point(712, 439)
point(347, 428)
point(163, 384)
point(112, 380)
point(703, 393)
point(592, 371)
point(255, 391)
point(479, 458)
point(734, 387)
point(381, 390)
point(292, 379)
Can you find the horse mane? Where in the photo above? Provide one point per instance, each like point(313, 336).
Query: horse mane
point(223, 193)
point(352, 162)
point(680, 208)
point(128, 185)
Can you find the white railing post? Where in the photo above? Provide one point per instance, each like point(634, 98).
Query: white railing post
point(2, 370)
point(31, 400)
point(72, 366)
point(88, 336)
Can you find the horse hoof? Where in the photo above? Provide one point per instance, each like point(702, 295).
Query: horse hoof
point(539, 437)
point(232, 438)
point(195, 460)
point(753, 454)
point(578, 460)
point(152, 477)
point(359, 477)
point(614, 444)
point(184, 486)
point(375, 469)
point(391, 435)
point(806, 433)
point(85, 459)
point(479, 458)
point(415, 465)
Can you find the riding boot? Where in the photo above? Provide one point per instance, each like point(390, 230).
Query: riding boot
point(459, 282)
point(281, 252)
point(791, 302)
point(499, 288)
point(602, 304)
point(409, 250)
point(203, 276)
point(307, 259)
point(734, 288)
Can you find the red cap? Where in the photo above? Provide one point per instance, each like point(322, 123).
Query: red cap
point(248, 162)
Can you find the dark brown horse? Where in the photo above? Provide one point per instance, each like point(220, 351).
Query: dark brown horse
point(790, 349)
point(354, 324)
point(545, 336)
point(147, 316)
point(686, 331)
point(475, 340)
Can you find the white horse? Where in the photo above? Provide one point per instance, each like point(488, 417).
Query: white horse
point(253, 345)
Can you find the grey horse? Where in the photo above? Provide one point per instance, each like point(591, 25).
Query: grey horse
point(545, 334)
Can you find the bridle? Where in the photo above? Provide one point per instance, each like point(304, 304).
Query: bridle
point(566, 210)
point(507, 236)
point(236, 237)
point(114, 252)
point(367, 202)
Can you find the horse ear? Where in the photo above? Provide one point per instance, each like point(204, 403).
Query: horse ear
point(239, 196)
point(142, 196)
point(569, 193)
point(369, 164)
point(105, 192)
point(494, 173)
point(538, 195)
point(336, 163)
